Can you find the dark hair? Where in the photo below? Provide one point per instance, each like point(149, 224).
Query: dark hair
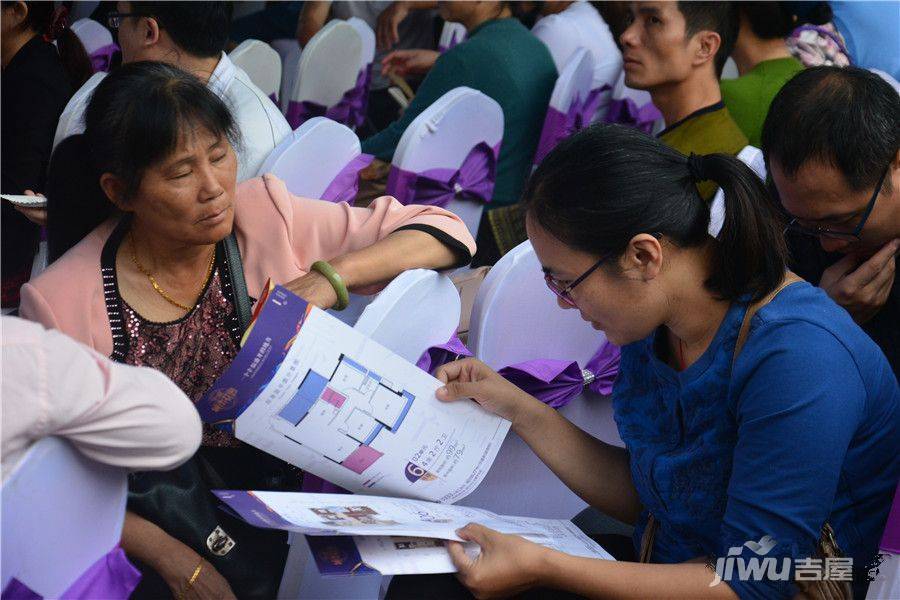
point(74, 58)
point(198, 28)
point(808, 12)
point(602, 186)
point(845, 117)
point(768, 20)
point(720, 17)
point(136, 118)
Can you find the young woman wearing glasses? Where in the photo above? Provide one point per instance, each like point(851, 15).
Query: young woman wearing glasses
point(792, 435)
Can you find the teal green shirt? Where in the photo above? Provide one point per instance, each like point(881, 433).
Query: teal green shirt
point(503, 60)
point(748, 97)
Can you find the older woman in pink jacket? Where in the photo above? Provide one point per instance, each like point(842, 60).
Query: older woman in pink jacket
point(147, 199)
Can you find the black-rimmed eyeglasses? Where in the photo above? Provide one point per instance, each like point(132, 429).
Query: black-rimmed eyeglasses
point(564, 293)
point(114, 19)
point(847, 236)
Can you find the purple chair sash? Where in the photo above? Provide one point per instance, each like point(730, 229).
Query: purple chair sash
point(437, 187)
point(557, 382)
point(111, 577)
point(890, 541)
point(441, 354)
point(345, 185)
point(359, 101)
point(559, 125)
point(274, 98)
point(344, 111)
point(452, 44)
point(626, 112)
point(101, 58)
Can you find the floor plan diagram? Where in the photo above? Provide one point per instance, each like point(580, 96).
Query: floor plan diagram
point(345, 414)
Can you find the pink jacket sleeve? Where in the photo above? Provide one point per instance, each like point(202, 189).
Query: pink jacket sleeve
point(271, 220)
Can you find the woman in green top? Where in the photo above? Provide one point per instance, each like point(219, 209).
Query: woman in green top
point(499, 58)
point(764, 63)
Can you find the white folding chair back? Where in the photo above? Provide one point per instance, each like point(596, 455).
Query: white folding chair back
point(515, 319)
point(71, 121)
point(92, 34)
point(575, 80)
point(61, 512)
point(262, 64)
point(367, 36)
point(451, 35)
point(753, 158)
point(289, 51)
point(417, 310)
point(443, 135)
point(329, 64)
point(309, 159)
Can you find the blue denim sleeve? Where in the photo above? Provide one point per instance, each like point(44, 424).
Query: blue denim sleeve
point(798, 397)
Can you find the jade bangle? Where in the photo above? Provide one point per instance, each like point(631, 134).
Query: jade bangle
point(327, 271)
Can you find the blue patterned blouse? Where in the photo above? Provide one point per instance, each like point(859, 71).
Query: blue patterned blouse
point(805, 430)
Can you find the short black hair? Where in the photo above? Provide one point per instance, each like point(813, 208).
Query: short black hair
point(136, 118)
point(845, 117)
point(768, 20)
point(198, 28)
point(720, 17)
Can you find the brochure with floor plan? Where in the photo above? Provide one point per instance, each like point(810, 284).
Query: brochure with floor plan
point(352, 535)
point(320, 395)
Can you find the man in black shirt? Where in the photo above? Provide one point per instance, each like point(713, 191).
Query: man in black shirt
point(832, 146)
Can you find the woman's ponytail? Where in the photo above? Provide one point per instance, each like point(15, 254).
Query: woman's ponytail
point(752, 253)
point(75, 202)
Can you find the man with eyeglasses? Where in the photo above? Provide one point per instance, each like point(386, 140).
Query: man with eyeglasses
point(832, 145)
point(192, 36)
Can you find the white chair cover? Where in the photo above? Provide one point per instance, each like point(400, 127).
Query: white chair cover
point(451, 35)
point(309, 159)
point(329, 67)
point(516, 318)
point(570, 92)
point(92, 34)
point(261, 63)
point(71, 120)
point(443, 135)
point(417, 310)
point(61, 512)
point(289, 51)
point(367, 36)
point(753, 158)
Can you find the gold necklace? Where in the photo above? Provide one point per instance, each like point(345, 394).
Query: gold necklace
point(162, 292)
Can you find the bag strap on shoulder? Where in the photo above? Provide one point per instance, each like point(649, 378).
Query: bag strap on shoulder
point(789, 278)
point(239, 284)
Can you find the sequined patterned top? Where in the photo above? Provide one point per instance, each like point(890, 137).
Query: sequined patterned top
point(193, 350)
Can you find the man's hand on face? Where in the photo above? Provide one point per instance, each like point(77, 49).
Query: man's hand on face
point(862, 288)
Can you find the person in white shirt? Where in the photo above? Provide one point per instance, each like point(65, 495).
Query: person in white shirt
point(564, 27)
point(191, 36)
point(116, 414)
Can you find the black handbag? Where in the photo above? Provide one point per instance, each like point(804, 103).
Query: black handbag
point(180, 501)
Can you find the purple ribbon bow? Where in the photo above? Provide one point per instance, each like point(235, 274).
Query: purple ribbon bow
point(625, 111)
point(557, 382)
point(345, 111)
point(437, 187)
point(111, 576)
point(559, 125)
point(345, 185)
point(101, 58)
point(441, 354)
